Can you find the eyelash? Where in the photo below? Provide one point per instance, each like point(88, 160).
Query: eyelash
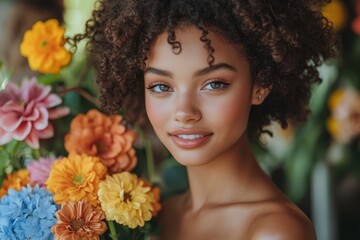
point(150, 87)
point(224, 83)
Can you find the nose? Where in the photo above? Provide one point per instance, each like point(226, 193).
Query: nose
point(186, 109)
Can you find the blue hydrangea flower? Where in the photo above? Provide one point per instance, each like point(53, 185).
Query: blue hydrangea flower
point(27, 214)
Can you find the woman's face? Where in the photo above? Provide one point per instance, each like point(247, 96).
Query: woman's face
point(199, 113)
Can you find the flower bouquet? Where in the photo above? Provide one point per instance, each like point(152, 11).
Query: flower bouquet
point(97, 189)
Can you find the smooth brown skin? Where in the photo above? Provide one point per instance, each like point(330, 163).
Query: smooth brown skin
point(229, 197)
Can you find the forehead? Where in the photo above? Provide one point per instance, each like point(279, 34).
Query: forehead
point(193, 48)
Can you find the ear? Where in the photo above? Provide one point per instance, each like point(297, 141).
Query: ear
point(259, 94)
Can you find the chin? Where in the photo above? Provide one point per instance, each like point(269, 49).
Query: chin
point(190, 159)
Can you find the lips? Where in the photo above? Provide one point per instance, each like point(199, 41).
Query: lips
point(190, 138)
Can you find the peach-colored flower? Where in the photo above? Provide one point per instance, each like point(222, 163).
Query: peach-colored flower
point(79, 220)
point(344, 123)
point(25, 112)
point(96, 134)
point(43, 45)
point(76, 178)
point(16, 181)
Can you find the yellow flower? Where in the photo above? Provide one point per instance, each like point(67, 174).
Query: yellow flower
point(43, 45)
point(16, 181)
point(76, 178)
point(336, 13)
point(335, 98)
point(125, 199)
point(344, 122)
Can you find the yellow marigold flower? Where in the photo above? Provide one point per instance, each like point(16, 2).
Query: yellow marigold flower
point(125, 199)
point(76, 178)
point(16, 181)
point(336, 13)
point(43, 45)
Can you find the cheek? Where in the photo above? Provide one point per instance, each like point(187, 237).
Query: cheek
point(232, 111)
point(155, 112)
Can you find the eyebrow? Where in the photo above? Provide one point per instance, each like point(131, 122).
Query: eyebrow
point(198, 73)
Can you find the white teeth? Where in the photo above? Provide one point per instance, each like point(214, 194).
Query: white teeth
point(190, 137)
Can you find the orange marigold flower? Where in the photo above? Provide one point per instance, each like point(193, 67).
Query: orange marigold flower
point(76, 178)
point(43, 45)
point(155, 191)
point(16, 181)
point(155, 198)
point(79, 220)
point(103, 136)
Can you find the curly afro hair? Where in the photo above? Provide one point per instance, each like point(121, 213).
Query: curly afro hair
point(284, 41)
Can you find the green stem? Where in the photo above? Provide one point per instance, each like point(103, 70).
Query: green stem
point(112, 228)
point(149, 160)
point(149, 155)
point(13, 160)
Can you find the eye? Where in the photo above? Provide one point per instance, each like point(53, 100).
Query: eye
point(216, 85)
point(158, 88)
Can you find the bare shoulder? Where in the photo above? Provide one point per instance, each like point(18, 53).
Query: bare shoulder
point(281, 222)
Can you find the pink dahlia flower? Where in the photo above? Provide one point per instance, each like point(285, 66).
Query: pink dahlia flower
point(40, 170)
point(25, 112)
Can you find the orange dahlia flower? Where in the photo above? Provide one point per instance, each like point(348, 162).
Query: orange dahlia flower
point(76, 178)
point(43, 45)
point(103, 136)
point(79, 220)
point(16, 181)
point(155, 198)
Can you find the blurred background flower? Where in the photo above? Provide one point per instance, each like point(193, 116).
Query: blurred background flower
point(43, 45)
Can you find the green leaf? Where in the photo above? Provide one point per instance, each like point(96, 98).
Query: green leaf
point(50, 79)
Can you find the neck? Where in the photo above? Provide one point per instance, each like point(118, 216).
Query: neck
point(229, 178)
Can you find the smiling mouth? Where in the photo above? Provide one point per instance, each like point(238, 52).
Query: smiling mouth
point(185, 140)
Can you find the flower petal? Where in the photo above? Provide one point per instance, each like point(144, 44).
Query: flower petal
point(33, 140)
point(31, 90)
point(10, 93)
point(12, 106)
point(22, 131)
point(10, 121)
point(52, 100)
point(46, 133)
point(59, 112)
point(43, 120)
point(5, 137)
